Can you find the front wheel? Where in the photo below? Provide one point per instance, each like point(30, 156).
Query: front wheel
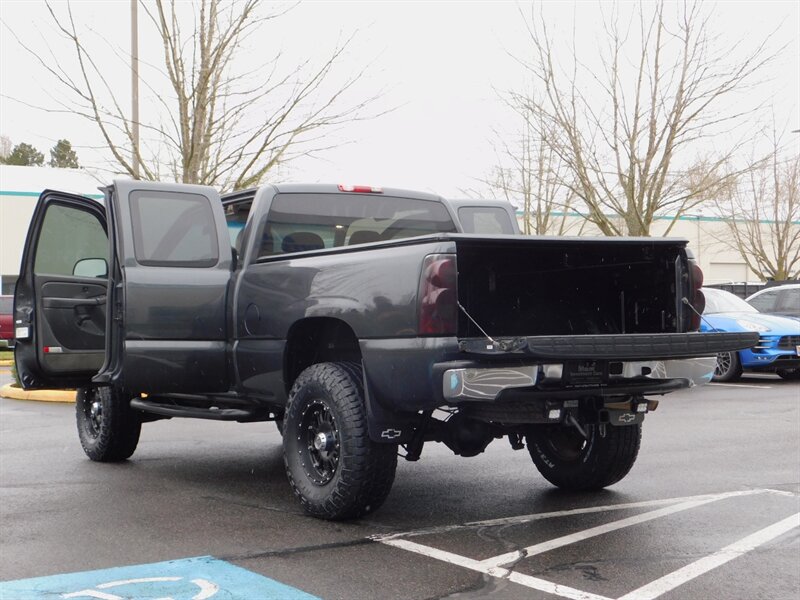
point(334, 469)
point(728, 368)
point(569, 461)
point(107, 426)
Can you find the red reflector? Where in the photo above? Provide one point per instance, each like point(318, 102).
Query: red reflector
point(360, 189)
point(46, 349)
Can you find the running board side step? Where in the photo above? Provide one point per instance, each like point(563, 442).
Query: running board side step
point(196, 412)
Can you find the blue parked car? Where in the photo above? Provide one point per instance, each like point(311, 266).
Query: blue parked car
point(778, 348)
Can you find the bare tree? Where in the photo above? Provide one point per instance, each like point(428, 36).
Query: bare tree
point(530, 175)
point(627, 121)
point(763, 217)
point(217, 124)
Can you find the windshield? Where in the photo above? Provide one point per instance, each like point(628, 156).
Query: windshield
point(719, 301)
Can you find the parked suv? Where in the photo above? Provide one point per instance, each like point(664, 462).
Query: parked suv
point(783, 300)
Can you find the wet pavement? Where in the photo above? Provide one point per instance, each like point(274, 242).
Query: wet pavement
point(709, 510)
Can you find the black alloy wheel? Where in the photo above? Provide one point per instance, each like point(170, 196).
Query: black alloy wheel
point(108, 428)
point(320, 447)
point(335, 470)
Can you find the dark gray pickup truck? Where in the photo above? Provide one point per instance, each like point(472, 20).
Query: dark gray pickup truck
point(364, 321)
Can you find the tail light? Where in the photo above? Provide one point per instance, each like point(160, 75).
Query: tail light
point(698, 300)
point(438, 303)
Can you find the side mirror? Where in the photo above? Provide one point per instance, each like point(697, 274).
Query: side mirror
point(91, 267)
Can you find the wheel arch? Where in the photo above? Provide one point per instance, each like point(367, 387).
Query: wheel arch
point(315, 340)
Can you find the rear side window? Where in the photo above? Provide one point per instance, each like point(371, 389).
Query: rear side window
point(68, 235)
point(304, 222)
point(6, 305)
point(484, 219)
point(173, 229)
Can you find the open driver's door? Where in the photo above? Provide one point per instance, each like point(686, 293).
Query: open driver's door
point(60, 300)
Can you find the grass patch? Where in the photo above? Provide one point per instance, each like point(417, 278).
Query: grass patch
point(6, 354)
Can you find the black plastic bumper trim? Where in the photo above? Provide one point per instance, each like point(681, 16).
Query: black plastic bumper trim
point(635, 346)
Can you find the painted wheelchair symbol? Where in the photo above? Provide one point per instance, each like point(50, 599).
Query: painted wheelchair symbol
point(207, 589)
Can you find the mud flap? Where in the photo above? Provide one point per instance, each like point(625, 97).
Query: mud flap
point(384, 425)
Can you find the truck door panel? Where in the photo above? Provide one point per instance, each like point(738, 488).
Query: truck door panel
point(61, 305)
point(71, 326)
point(176, 258)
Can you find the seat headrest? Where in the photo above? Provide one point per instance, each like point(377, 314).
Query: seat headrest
point(302, 241)
point(364, 237)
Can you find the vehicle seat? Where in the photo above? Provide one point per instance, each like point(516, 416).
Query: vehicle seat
point(237, 245)
point(364, 237)
point(302, 241)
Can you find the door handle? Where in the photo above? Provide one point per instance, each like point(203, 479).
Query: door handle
point(72, 302)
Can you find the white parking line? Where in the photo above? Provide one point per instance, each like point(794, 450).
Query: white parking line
point(704, 565)
point(522, 519)
point(742, 385)
point(504, 559)
point(462, 561)
point(495, 565)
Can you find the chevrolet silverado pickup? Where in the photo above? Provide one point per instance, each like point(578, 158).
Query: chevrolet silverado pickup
point(364, 321)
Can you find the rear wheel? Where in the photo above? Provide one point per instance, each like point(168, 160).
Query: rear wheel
point(334, 469)
point(729, 367)
point(107, 426)
point(569, 461)
point(790, 374)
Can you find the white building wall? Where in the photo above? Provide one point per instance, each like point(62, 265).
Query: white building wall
point(20, 188)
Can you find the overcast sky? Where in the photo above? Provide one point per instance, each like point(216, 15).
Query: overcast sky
point(439, 66)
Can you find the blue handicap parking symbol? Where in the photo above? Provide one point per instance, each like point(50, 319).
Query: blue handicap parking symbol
point(200, 578)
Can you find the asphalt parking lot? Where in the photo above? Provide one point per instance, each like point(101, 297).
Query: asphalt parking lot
point(203, 510)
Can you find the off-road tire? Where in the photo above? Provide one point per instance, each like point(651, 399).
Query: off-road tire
point(355, 476)
point(728, 367)
point(111, 432)
point(568, 461)
point(789, 374)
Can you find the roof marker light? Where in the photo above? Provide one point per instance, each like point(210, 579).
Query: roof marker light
point(360, 189)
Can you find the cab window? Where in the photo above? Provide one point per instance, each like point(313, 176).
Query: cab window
point(305, 222)
point(485, 219)
point(174, 229)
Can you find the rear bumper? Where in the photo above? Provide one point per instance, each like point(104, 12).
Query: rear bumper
point(489, 384)
point(413, 374)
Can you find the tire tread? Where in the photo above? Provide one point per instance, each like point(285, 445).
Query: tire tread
point(367, 470)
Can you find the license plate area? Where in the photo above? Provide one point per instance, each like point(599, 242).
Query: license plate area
point(580, 373)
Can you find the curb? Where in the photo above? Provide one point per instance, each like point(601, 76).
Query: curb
point(6, 363)
point(15, 393)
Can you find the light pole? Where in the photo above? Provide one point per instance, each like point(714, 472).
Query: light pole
point(135, 86)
